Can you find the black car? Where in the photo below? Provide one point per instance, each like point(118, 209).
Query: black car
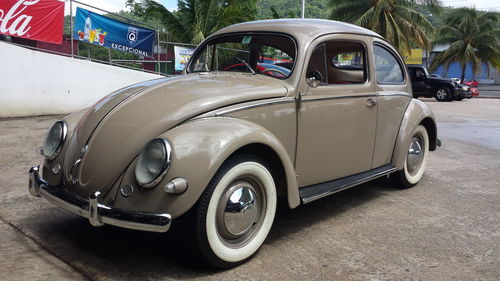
point(425, 85)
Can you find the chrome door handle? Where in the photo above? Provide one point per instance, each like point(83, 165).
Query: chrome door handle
point(371, 102)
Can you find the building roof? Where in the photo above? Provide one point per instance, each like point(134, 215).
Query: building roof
point(299, 28)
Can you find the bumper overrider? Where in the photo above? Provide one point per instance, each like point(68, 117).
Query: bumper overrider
point(97, 213)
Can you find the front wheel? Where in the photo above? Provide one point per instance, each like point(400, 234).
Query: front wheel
point(443, 94)
point(415, 162)
point(236, 211)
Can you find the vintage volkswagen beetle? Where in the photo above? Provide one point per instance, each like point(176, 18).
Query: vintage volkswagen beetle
point(233, 133)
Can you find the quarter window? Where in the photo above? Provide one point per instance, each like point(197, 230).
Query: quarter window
point(387, 68)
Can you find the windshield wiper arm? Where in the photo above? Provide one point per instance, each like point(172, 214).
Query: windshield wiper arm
point(246, 64)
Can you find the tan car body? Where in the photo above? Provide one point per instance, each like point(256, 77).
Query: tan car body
point(310, 135)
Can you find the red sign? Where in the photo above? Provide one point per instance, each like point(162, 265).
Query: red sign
point(40, 20)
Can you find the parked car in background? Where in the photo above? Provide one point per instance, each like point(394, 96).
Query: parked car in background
point(224, 140)
point(473, 88)
point(429, 86)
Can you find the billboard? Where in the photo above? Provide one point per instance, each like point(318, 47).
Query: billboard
point(415, 57)
point(182, 56)
point(100, 30)
point(41, 20)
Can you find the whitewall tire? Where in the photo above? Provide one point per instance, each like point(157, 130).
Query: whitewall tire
point(416, 160)
point(236, 211)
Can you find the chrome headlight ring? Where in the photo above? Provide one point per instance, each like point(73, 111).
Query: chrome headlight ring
point(54, 140)
point(153, 162)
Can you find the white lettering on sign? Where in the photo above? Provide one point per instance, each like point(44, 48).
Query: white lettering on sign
point(19, 26)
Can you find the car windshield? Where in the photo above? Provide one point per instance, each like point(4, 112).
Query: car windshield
point(267, 54)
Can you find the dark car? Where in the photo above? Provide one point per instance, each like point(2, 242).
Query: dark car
point(425, 85)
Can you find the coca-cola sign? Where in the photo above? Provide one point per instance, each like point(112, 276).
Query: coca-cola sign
point(41, 20)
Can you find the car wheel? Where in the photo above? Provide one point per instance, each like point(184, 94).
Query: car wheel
point(442, 94)
point(415, 162)
point(236, 211)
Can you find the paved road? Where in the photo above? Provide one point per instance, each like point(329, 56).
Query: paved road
point(446, 228)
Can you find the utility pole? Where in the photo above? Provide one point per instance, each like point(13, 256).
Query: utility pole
point(303, 8)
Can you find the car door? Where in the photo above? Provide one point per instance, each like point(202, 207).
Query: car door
point(393, 96)
point(336, 120)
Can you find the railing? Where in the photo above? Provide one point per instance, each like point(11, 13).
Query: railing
point(82, 57)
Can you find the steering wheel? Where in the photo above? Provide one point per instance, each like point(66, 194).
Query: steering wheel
point(280, 73)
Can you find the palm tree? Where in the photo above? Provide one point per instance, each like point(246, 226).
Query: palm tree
point(395, 20)
point(194, 20)
point(472, 37)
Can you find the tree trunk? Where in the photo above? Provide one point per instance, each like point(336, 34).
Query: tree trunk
point(463, 73)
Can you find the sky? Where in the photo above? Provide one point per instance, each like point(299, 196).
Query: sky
point(117, 5)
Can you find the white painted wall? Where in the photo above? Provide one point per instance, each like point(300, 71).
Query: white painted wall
point(37, 83)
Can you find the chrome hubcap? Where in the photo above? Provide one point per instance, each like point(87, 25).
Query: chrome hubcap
point(415, 155)
point(240, 212)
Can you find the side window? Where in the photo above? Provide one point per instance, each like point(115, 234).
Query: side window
point(339, 62)
point(387, 68)
point(346, 62)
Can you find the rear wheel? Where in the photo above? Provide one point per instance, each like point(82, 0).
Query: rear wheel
point(236, 212)
point(442, 94)
point(415, 162)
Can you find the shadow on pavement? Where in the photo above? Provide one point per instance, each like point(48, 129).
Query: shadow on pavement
point(114, 253)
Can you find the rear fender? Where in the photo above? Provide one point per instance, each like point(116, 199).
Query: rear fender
point(417, 113)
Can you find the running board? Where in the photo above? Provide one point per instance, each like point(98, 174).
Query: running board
point(317, 191)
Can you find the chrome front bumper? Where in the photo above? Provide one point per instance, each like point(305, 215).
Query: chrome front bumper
point(97, 213)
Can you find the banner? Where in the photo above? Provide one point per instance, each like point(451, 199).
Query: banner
point(41, 20)
point(182, 56)
point(100, 30)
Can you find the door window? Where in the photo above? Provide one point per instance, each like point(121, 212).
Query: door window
point(339, 62)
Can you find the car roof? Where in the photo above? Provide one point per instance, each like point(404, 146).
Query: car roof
point(299, 28)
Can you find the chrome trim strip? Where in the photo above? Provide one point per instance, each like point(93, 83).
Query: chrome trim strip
point(97, 213)
point(393, 95)
point(249, 106)
point(306, 98)
point(345, 186)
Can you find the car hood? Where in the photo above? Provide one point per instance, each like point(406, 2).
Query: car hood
point(117, 127)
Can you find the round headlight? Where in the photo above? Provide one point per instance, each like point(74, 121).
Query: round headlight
point(153, 162)
point(54, 140)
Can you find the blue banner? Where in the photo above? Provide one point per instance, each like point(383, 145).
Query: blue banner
point(100, 30)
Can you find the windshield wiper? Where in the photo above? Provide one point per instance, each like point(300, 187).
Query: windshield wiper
point(246, 64)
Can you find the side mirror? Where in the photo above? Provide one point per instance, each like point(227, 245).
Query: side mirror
point(313, 78)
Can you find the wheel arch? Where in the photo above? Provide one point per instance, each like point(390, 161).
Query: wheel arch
point(271, 158)
point(441, 85)
point(430, 126)
point(417, 113)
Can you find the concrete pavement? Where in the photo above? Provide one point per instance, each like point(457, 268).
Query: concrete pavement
point(445, 228)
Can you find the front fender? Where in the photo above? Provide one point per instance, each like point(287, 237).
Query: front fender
point(199, 148)
point(417, 113)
